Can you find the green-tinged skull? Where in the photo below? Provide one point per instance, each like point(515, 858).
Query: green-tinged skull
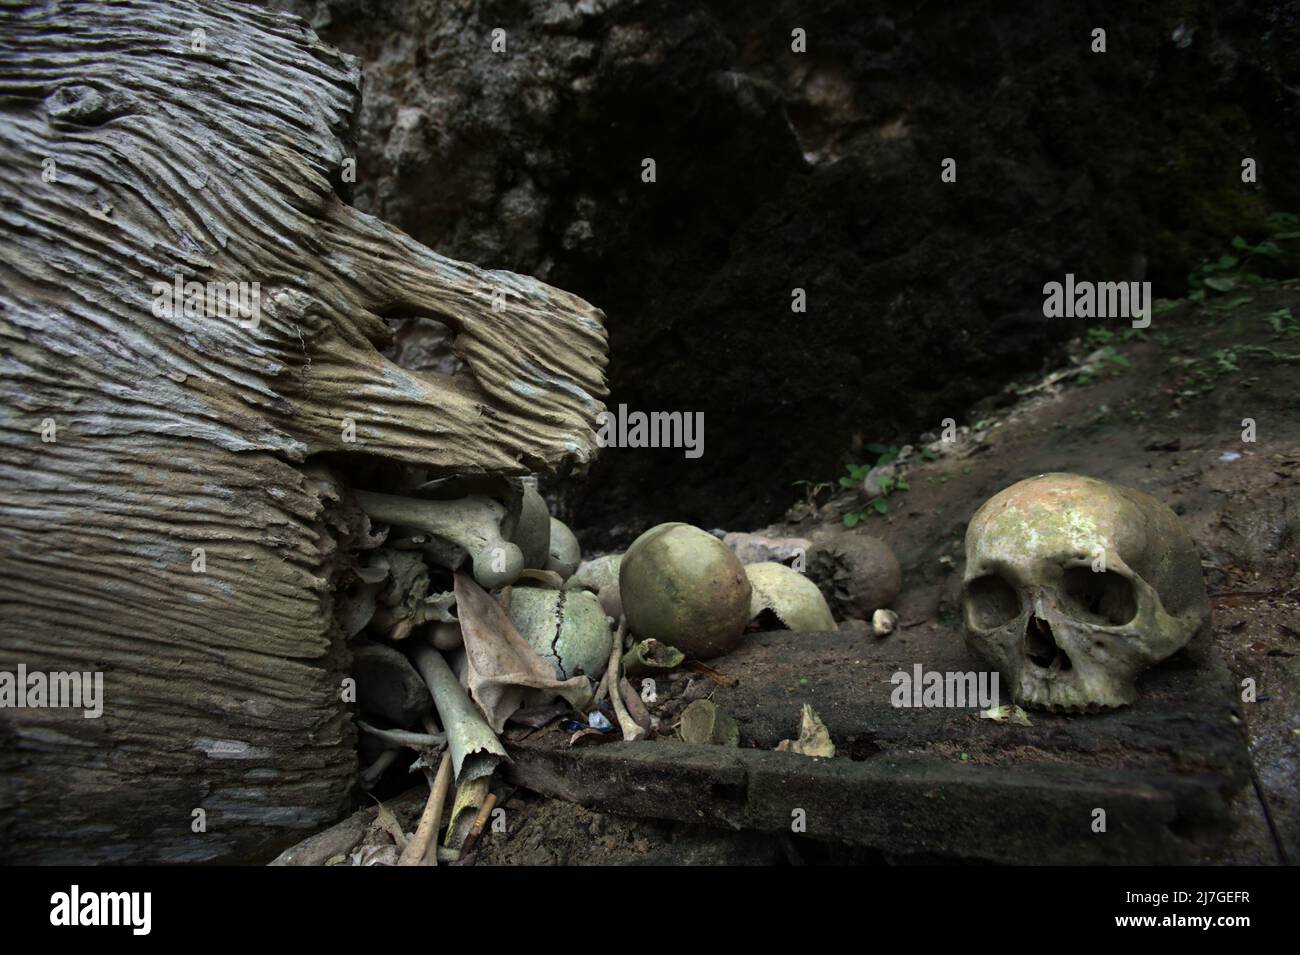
point(684, 587)
point(567, 628)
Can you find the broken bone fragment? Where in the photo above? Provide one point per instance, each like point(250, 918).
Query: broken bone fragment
point(600, 575)
point(388, 686)
point(567, 628)
point(404, 601)
point(565, 553)
point(651, 656)
point(1074, 586)
point(473, 523)
point(884, 622)
point(788, 595)
point(635, 706)
point(474, 747)
point(814, 738)
point(857, 573)
point(704, 722)
point(684, 587)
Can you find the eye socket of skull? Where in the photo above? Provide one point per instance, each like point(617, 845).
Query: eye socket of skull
point(1104, 599)
point(990, 602)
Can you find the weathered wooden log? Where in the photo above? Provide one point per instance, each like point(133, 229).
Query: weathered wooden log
point(165, 517)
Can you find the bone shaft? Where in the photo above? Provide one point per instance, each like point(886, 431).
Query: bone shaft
point(426, 833)
point(475, 749)
point(403, 511)
point(378, 768)
point(403, 737)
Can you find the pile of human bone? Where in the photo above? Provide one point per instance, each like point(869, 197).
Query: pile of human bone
point(469, 607)
point(472, 614)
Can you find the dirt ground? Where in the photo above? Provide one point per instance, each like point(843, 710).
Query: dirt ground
point(1166, 415)
point(1162, 411)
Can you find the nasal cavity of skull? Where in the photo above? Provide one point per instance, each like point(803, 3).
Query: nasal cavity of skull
point(991, 601)
point(1040, 645)
point(1104, 599)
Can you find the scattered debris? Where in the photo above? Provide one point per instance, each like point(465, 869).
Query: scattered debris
point(417, 850)
point(705, 670)
point(1007, 713)
point(385, 820)
point(470, 796)
point(651, 656)
point(631, 730)
point(884, 622)
point(814, 739)
point(703, 722)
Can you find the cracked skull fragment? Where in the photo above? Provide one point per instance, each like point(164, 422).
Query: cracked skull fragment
point(567, 628)
point(1074, 586)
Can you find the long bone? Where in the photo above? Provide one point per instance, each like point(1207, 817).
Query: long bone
point(473, 523)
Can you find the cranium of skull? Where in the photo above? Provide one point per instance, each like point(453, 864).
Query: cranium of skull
point(1074, 586)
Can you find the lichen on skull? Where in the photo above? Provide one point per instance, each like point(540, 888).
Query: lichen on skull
point(1074, 586)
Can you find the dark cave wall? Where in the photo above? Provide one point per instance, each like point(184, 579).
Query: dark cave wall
point(821, 171)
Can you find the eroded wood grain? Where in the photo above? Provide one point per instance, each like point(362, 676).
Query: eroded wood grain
point(144, 141)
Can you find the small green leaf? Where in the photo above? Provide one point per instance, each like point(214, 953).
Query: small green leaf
point(880, 505)
point(852, 518)
point(1220, 284)
point(847, 482)
point(1240, 244)
point(1227, 261)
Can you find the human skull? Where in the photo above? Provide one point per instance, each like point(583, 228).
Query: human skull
point(787, 595)
point(1074, 586)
